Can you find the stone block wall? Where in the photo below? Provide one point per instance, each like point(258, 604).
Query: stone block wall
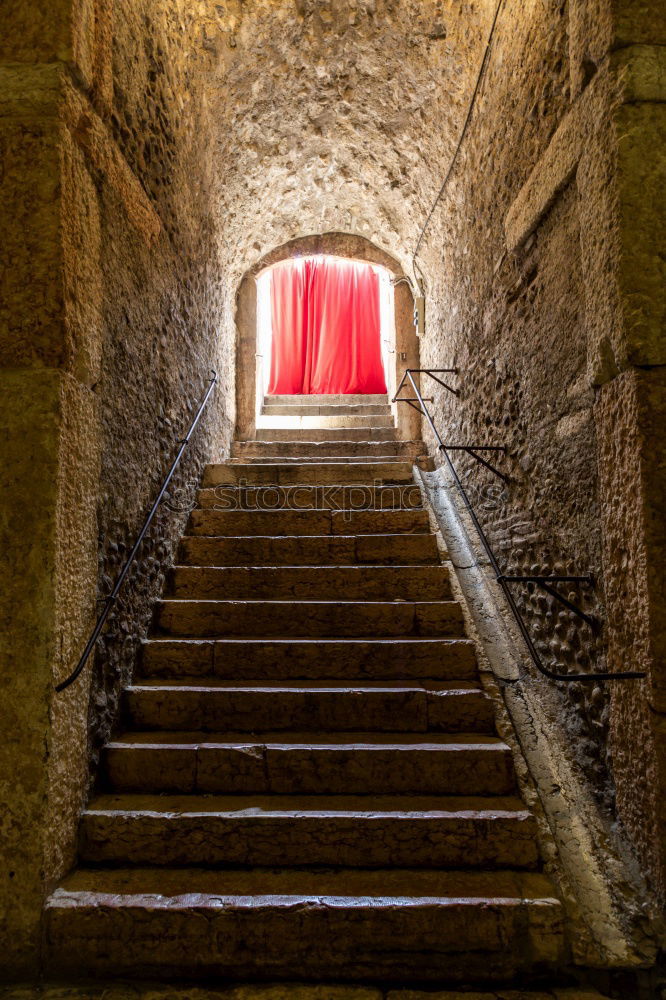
point(50, 357)
point(163, 294)
point(109, 324)
point(545, 288)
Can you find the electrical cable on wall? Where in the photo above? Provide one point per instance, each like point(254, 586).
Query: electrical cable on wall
point(484, 62)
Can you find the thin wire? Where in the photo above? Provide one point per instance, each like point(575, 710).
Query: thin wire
point(482, 69)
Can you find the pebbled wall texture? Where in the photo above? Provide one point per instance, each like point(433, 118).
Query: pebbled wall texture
point(510, 317)
point(111, 317)
point(545, 287)
point(163, 307)
point(152, 153)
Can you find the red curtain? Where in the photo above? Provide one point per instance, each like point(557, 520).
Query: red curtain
point(326, 329)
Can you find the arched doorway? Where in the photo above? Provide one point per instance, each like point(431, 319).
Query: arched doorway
point(398, 347)
point(325, 326)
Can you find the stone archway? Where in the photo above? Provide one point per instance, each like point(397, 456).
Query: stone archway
point(342, 245)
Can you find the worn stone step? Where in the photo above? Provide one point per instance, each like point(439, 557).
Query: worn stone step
point(310, 659)
point(315, 583)
point(357, 925)
point(271, 991)
point(382, 456)
point(309, 618)
point(302, 460)
point(290, 521)
point(363, 432)
point(304, 764)
point(308, 550)
point(343, 421)
point(350, 831)
point(305, 449)
point(322, 472)
point(341, 398)
point(340, 706)
point(309, 496)
point(371, 411)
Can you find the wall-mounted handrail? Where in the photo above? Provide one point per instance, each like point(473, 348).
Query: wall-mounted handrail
point(544, 582)
point(111, 599)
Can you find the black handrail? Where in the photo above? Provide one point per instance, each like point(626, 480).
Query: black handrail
point(545, 582)
point(111, 599)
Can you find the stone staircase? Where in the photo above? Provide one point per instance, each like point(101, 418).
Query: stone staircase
point(360, 417)
point(309, 785)
point(335, 427)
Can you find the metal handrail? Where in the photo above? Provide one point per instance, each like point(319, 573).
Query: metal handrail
point(545, 582)
point(111, 599)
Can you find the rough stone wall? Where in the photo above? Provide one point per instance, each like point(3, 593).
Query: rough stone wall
point(110, 310)
point(46, 531)
point(513, 324)
point(336, 117)
point(631, 416)
point(542, 276)
point(49, 476)
point(163, 300)
point(629, 410)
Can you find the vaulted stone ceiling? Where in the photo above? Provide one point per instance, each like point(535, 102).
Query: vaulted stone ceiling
point(335, 115)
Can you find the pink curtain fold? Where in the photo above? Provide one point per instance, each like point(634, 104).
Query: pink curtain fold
point(326, 327)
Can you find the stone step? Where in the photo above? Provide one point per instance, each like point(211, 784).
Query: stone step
point(345, 398)
point(311, 449)
point(315, 583)
point(295, 991)
point(357, 925)
point(303, 460)
point(343, 422)
point(323, 472)
point(310, 659)
point(342, 706)
point(370, 410)
point(293, 522)
point(302, 764)
point(365, 432)
point(422, 460)
point(350, 831)
point(334, 496)
point(309, 754)
point(309, 618)
point(320, 550)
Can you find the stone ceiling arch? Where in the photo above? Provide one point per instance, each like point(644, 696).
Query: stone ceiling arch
point(330, 116)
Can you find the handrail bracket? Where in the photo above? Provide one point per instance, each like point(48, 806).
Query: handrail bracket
point(547, 583)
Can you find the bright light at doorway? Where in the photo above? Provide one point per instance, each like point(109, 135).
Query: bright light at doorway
point(265, 336)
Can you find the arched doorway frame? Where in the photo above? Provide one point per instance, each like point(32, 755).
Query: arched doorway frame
point(406, 354)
